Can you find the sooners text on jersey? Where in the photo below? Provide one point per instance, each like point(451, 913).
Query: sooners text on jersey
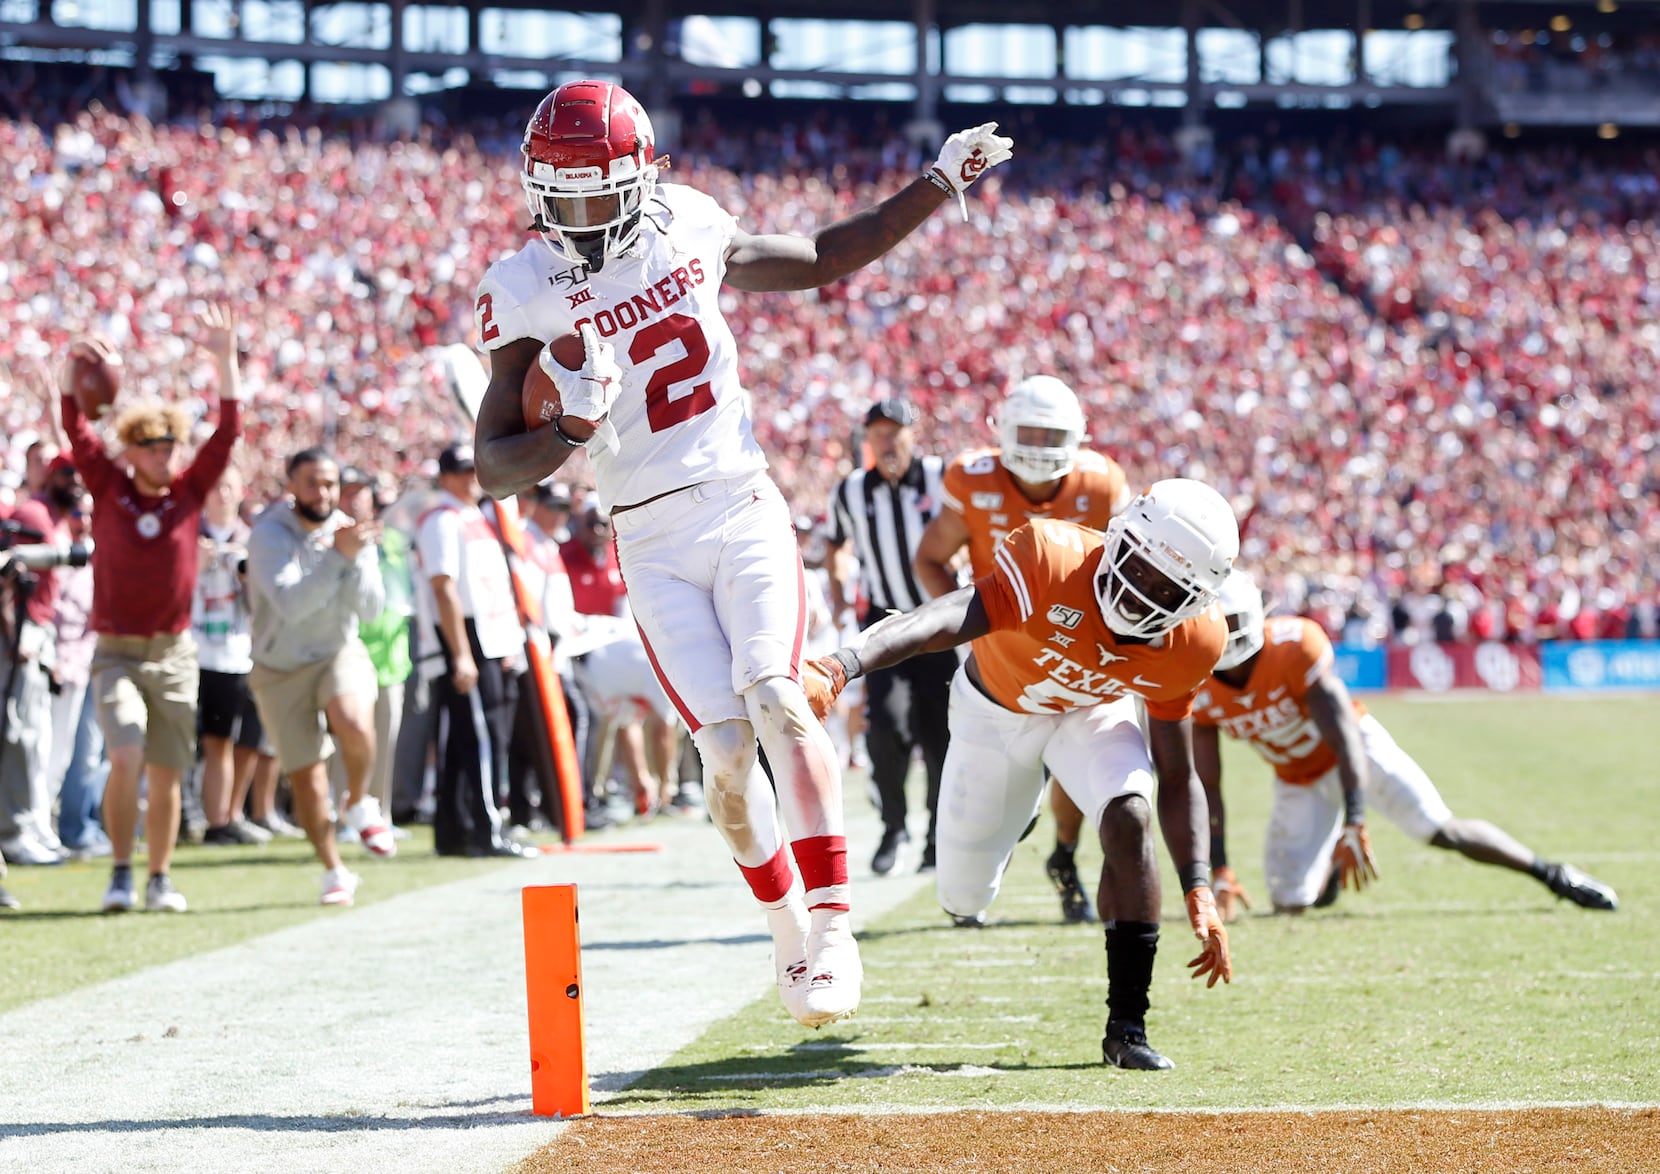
point(1271, 712)
point(986, 495)
point(1050, 651)
point(680, 416)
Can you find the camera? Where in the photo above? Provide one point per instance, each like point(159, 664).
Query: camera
point(43, 556)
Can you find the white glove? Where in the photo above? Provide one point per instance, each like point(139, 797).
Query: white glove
point(965, 156)
point(588, 392)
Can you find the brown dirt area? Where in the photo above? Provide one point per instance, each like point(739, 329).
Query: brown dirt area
point(1521, 1141)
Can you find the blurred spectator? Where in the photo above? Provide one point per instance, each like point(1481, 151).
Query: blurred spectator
point(477, 630)
point(590, 558)
point(313, 577)
point(228, 719)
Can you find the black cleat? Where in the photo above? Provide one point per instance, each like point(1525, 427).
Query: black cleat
point(968, 920)
point(887, 852)
point(1328, 895)
point(1570, 884)
point(929, 858)
point(1125, 1046)
point(1063, 873)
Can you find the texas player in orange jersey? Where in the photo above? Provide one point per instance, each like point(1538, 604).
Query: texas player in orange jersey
point(1039, 471)
point(1070, 627)
point(1274, 687)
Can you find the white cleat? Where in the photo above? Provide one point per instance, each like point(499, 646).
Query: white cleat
point(834, 971)
point(788, 925)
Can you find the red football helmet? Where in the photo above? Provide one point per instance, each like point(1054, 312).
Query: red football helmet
point(588, 170)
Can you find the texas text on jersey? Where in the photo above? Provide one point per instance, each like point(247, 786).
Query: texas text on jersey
point(1050, 651)
point(1269, 712)
point(681, 416)
point(986, 495)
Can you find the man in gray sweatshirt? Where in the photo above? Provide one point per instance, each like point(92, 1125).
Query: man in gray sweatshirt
point(313, 574)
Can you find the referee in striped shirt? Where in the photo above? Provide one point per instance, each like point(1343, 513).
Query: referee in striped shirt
point(883, 510)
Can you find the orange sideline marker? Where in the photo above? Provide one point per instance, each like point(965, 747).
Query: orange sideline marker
point(553, 984)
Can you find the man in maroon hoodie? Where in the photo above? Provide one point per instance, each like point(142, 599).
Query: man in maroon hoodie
point(147, 511)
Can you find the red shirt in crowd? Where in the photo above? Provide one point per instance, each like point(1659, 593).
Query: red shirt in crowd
point(144, 558)
point(596, 584)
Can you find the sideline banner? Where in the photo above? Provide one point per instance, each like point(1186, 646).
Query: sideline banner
point(1436, 668)
point(1363, 670)
point(1602, 664)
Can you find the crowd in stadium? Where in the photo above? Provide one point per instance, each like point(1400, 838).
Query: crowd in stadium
point(1426, 386)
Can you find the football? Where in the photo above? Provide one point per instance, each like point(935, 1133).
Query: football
point(540, 397)
point(94, 378)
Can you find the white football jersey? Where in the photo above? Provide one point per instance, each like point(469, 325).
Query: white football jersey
point(681, 416)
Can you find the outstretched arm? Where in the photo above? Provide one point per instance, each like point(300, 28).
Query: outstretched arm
point(937, 625)
point(781, 261)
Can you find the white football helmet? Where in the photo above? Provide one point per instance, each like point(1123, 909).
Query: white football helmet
point(1041, 403)
point(1242, 603)
point(588, 170)
point(1166, 557)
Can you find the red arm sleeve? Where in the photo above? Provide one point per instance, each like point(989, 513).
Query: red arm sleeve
point(91, 461)
point(209, 465)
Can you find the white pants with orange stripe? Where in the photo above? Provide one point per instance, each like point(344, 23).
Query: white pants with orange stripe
point(1308, 817)
point(993, 782)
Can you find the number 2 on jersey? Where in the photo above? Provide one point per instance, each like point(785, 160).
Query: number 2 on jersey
point(661, 411)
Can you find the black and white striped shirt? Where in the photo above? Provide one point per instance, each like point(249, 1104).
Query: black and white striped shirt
point(885, 523)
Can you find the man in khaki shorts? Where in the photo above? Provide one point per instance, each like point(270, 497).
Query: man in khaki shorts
point(313, 574)
point(146, 513)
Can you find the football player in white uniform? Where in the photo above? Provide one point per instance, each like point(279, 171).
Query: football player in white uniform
point(704, 537)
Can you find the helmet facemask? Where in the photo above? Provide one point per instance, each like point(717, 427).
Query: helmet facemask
point(1039, 430)
point(1241, 604)
point(589, 221)
point(1165, 558)
point(588, 171)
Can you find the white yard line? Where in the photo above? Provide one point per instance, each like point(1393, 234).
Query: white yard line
point(391, 1037)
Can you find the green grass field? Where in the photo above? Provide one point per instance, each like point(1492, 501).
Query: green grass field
point(1448, 983)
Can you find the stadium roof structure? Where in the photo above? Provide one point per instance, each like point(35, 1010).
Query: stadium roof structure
point(1481, 87)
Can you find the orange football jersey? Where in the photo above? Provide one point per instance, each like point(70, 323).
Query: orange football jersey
point(1270, 711)
point(1049, 650)
point(986, 495)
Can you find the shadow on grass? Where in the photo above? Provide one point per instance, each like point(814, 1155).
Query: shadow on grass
point(469, 1115)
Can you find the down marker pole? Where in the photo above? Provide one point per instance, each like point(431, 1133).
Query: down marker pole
point(553, 984)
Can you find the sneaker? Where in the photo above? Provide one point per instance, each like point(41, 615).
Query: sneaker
point(834, 971)
point(789, 925)
point(94, 848)
point(25, 848)
point(250, 831)
point(280, 826)
point(238, 832)
point(1062, 867)
point(339, 886)
point(1583, 890)
point(887, 852)
point(119, 897)
point(161, 897)
point(365, 819)
point(1125, 1046)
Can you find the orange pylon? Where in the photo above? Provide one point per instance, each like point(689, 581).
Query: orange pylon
point(553, 985)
